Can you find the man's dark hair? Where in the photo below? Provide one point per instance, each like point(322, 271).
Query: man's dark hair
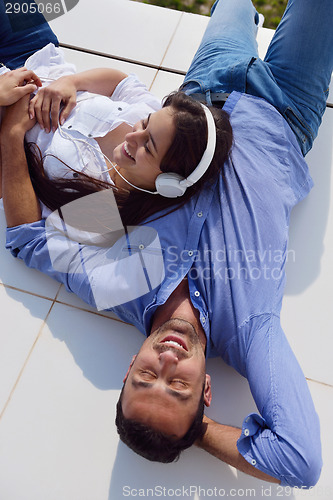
point(154, 445)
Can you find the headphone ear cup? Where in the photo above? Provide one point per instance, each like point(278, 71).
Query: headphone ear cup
point(168, 185)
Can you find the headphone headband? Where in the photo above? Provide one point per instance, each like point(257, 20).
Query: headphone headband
point(172, 185)
point(208, 154)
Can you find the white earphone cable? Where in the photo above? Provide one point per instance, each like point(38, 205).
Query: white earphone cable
point(190, 180)
point(67, 136)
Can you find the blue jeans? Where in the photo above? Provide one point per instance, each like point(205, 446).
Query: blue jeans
point(22, 34)
point(294, 76)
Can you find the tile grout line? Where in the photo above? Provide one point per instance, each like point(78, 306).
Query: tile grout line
point(57, 301)
point(97, 313)
point(29, 355)
point(167, 48)
point(57, 294)
point(34, 294)
point(319, 382)
point(120, 58)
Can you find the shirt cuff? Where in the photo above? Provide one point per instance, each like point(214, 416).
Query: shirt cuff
point(18, 236)
point(253, 426)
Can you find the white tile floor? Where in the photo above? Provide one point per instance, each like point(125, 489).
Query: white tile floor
point(62, 363)
point(126, 29)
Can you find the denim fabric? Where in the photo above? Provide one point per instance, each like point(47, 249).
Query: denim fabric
point(295, 74)
point(22, 34)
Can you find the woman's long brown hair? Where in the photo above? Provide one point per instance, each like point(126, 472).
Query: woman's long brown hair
point(183, 156)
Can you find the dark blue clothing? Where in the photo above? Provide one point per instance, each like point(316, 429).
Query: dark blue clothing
point(21, 35)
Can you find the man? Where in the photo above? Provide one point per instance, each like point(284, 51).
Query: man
point(235, 274)
point(16, 84)
point(224, 257)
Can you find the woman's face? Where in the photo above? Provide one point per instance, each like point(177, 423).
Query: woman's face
point(139, 156)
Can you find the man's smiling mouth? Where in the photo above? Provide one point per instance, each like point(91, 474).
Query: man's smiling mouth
point(175, 341)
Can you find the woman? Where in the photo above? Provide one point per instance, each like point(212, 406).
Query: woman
point(117, 136)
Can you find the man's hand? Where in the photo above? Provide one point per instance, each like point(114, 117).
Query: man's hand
point(45, 106)
point(16, 84)
point(221, 441)
point(19, 199)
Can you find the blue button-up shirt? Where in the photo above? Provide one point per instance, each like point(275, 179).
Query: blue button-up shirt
point(231, 242)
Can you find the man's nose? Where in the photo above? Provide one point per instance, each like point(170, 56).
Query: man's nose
point(168, 360)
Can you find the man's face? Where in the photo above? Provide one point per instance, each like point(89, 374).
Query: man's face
point(166, 378)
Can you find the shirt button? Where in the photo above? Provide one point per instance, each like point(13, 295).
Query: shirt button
point(253, 462)
point(75, 174)
point(141, 247)
point(120, 109)
point(196, 293)
point(199, 214)
point(89, 135)
point(203, 320)
point(246, 432)
point(69, 126)
point(190, 253)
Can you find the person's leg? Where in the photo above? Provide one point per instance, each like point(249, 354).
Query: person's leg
point(299, 62)
point(23, 31)
point(227, 47)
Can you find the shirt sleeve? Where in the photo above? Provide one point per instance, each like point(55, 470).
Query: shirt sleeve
point(29, 243)
point(3, 70)
point(119, 268)
point(284, 440)
point(132, 91)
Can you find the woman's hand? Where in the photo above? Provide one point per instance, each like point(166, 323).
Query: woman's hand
point(62, 93)
point(46, 104)
point(16, 84)
point(16, 119)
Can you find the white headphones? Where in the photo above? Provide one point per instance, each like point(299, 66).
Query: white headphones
point(171, 185)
